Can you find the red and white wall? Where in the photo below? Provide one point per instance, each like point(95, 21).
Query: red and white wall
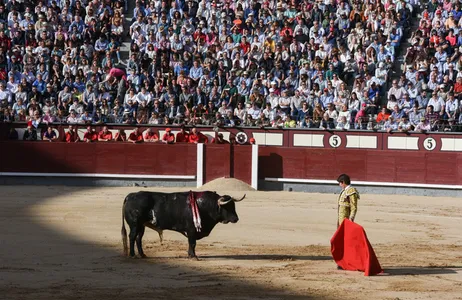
point(286, 156)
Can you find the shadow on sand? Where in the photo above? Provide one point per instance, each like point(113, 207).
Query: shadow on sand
point(82, 270)
point(401, 271)
point(267, 257)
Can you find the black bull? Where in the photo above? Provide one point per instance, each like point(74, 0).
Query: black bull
point(172, 211)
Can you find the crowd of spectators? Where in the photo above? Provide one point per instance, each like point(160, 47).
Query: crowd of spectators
point(282, 63)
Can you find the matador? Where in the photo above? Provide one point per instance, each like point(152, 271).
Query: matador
point(347, 200)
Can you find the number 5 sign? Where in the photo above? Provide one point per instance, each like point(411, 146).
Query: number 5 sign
point(429, 144)
point(335, 141)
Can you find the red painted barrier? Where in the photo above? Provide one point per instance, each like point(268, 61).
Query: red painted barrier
point(98, 158)
point(363, 165)
point(415, 158)
point(229, 161)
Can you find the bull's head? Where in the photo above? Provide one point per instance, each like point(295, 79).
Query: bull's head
point(227, 209)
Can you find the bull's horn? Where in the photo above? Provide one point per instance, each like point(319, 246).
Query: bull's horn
point(235, 200)
point(222, 201)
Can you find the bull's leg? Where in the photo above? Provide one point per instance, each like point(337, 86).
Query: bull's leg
point(192, 246)
point(133, 234)
point(139, 238)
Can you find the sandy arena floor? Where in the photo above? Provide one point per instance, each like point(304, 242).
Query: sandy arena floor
point(64, 243)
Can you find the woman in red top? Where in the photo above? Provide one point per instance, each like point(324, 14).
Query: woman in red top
point(383, 115)
point(117, 73)
point(451, 38)
point(434, 38)
point(245, 45)
point(458, 87)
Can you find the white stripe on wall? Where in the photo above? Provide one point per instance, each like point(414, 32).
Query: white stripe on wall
point(451, 144)
point(361, 141)
point(308, 140)
point(200, 165)
point(254, 181)
point(371, 183)
point(403, 143)
point(274, 139)
point(96, 175)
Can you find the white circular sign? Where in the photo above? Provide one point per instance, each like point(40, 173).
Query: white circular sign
point(241, 138)
point(335, 141)
point(429, 144)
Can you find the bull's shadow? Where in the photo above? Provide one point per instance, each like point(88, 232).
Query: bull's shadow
point(267, 257)
point(403, 271)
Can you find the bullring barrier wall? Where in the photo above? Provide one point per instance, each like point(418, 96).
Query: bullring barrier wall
point(282, 159)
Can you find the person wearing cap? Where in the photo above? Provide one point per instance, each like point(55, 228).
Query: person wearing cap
point(168, 137)
point(284, 102)
point(423, 126)
point(452, 126)
point(26, 21)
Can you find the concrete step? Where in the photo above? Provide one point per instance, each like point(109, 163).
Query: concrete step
point(125, 47)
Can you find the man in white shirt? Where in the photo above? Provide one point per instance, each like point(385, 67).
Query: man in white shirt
point(254, 111)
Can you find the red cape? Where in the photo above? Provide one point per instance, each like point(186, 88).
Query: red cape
point(352, 251)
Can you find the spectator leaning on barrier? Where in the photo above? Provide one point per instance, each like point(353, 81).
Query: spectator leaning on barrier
point(182, 136)
point(71, 135)
point(50, 135)
point(90, 135)
point(150, 136)
point(168, 137)
point(30, 134)
point(105, 135)
point(136, 136)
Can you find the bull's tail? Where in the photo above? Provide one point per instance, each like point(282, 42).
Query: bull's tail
point(124, 231)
